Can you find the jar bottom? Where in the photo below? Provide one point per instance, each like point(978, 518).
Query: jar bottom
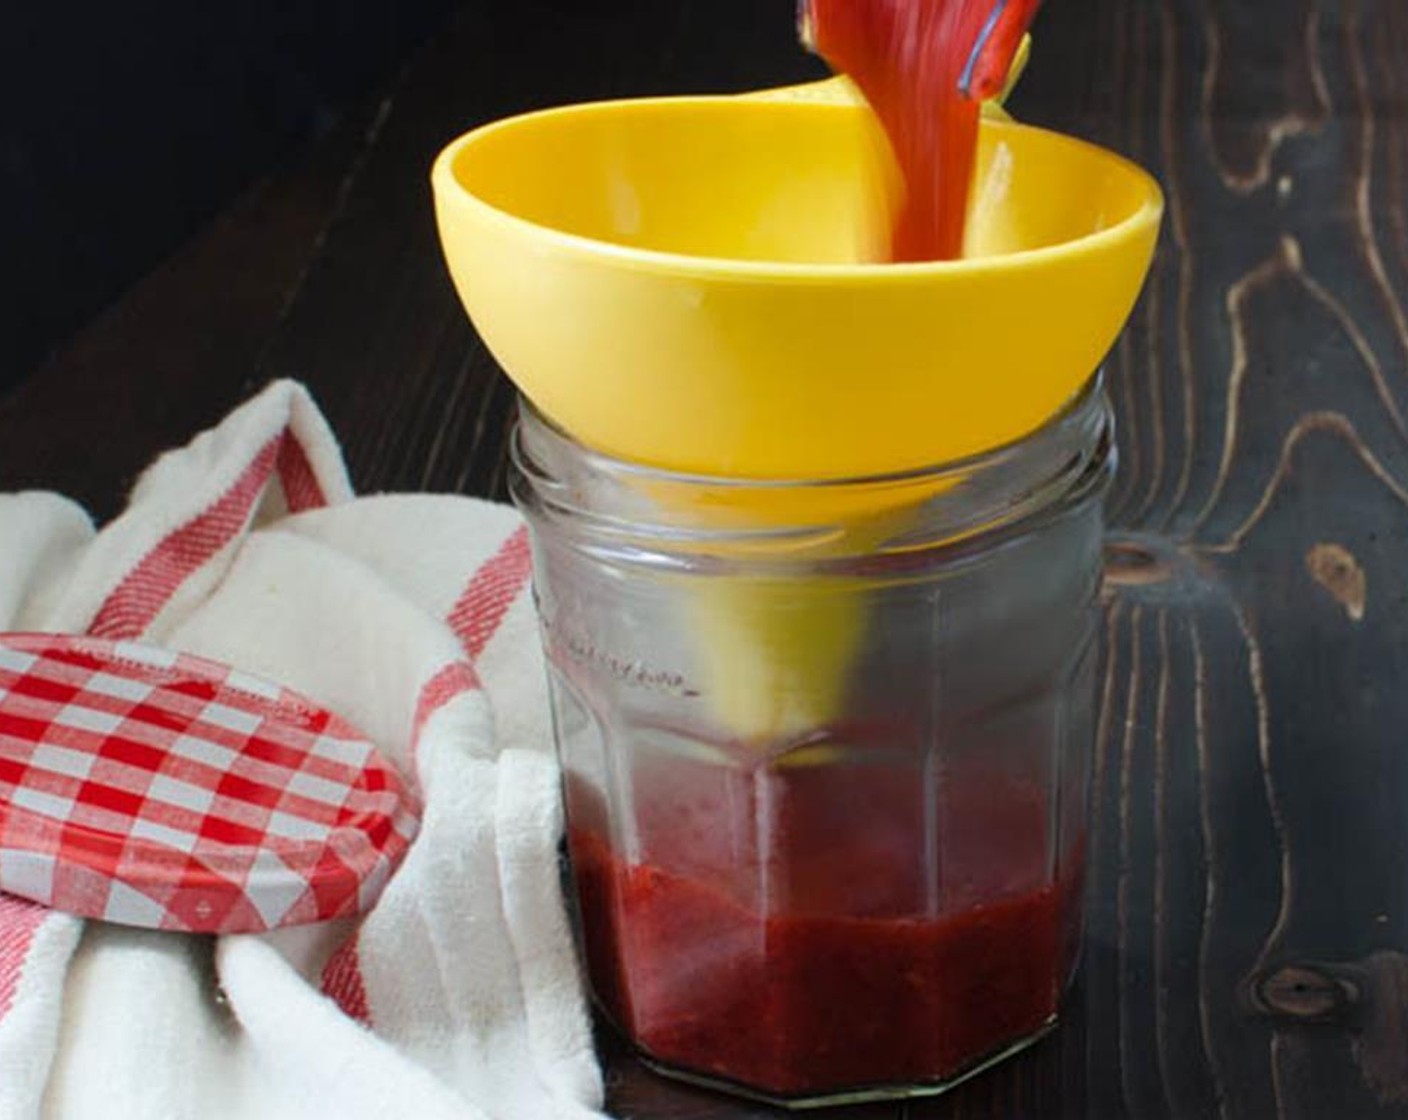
point(863, 1094)
point(805, 967)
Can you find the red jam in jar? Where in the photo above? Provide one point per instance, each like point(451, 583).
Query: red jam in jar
point(856, 973)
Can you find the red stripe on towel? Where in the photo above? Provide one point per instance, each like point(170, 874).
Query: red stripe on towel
point(19, 922)
point(302, 490)
point(342, 982)
point(480, 611)
point(134, 604)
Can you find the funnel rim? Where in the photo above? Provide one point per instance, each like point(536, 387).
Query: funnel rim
point(446, 185)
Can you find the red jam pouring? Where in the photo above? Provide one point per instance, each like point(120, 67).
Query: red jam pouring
point(925, 66)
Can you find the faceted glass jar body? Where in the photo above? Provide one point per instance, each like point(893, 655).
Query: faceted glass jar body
point(825, 751)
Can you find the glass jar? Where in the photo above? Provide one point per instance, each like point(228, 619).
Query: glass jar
point(825, 750)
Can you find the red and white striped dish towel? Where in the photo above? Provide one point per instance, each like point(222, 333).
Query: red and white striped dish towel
point(458, 995)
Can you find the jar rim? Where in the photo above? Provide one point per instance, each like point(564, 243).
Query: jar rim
point(1070, 414)
point(597, 502)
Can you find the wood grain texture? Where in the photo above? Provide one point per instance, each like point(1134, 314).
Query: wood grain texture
point(1249, 877)
point(1248, 912)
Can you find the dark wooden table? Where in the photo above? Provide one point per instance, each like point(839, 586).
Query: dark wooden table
point(1248, 912)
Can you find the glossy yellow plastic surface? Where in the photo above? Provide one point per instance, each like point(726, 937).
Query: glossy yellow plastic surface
point(696, 283)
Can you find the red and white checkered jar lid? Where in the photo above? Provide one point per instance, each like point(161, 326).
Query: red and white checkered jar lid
point(156, 789)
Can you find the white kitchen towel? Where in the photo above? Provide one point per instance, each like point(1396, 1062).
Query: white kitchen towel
point(458, 994)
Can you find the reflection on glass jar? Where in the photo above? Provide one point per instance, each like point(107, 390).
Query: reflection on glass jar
point(825, 750)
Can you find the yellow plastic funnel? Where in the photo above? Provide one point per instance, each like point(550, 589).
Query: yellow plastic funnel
point(682, 282)
point(695, 284)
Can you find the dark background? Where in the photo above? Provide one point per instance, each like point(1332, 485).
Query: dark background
point(126, 127)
